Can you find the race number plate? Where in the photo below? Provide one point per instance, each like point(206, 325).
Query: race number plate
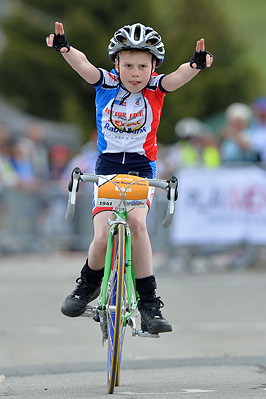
point(110, 194)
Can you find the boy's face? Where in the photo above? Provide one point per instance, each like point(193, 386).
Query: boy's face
point(135, 69)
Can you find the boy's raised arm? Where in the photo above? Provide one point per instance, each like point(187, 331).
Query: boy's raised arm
point(186, 72)
point(76, 59)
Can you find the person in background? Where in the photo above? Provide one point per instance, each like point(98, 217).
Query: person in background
point(38, 151)
point(196, 146)
point(258, 128)
point(85, 160)
point(235, 140)
point(8, 174)
point(21, 162)
point(59, 157)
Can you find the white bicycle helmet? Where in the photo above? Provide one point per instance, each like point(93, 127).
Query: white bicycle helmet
point(138, 37)
point(191, 127)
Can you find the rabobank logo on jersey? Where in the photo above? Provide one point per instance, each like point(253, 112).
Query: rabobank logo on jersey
point(108, 126)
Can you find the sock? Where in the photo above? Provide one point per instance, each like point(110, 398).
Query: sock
point(146, 287)
point(92, 275)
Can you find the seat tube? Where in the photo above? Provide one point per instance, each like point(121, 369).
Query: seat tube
point(107, 265)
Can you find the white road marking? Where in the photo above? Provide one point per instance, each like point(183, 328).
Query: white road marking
point(145, 393)
point(197, 390)
point(166, 393)
point(228, 326)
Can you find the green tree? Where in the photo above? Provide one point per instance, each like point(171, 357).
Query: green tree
point(230, 78)
point(38, 80)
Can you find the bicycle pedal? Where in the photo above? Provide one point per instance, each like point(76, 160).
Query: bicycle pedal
point(146, 334)
point(140, 333)
point(89, 312)
point(96, 318)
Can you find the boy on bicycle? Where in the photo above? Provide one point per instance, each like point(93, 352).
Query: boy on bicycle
point(129, 101)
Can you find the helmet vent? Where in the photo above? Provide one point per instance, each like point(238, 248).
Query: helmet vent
point(120, 38)
point(152, 40)
point(137, 33)
point(127, 29)
point(148, 30)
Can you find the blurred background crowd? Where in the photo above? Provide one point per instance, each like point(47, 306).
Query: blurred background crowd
point(217, 120)
point(28, 161)
point(34, 175)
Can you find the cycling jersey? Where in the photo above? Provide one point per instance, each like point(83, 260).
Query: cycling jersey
point(127, 122)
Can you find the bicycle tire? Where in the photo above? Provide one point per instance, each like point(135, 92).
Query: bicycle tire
point(114, 316)
point(122, 336)
point(127, 301)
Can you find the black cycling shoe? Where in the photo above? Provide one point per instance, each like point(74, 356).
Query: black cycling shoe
point(151, 316)
point(75, 303)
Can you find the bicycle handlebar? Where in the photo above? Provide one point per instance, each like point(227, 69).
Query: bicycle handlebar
point(170, 186)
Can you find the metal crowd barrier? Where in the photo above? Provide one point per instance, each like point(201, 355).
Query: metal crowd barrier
point(33, 222)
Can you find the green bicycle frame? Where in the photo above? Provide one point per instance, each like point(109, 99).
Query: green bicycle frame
point(129, 271)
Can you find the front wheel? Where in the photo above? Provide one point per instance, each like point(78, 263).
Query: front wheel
point(115, 304)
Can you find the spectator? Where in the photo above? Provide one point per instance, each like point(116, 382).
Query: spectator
point(8, 175)
point(20, 159)
point(258, 128)
point(163, 168)
point(85, 160)
point(196, 145)
point(38, 151)
point(59, 157)
point(236, 144)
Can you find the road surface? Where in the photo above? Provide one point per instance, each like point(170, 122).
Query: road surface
point(217, 348)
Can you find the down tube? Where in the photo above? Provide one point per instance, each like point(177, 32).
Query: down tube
point(128, 267)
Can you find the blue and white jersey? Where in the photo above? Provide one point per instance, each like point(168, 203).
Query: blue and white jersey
point(128, 122)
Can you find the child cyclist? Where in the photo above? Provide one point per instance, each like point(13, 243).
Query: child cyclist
point(129, 101)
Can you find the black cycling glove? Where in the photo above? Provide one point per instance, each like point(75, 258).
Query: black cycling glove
point(199, 58)
point(60, 41)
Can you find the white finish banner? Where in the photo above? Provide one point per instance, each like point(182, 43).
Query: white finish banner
point(220, 206)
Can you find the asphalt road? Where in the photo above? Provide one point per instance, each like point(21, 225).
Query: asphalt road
point(217, 348)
